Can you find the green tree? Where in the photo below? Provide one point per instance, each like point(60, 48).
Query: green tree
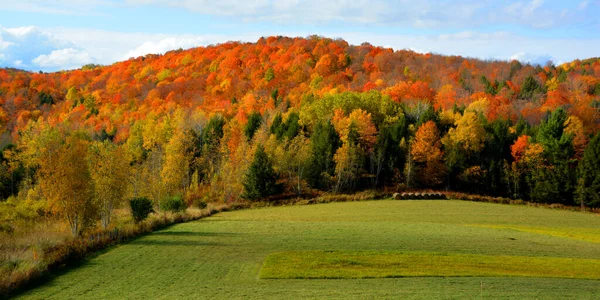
point(261, 179)
point(529, 88)
point(254, 121)
point(324, 142)
point(588, 184)
point(559, 185)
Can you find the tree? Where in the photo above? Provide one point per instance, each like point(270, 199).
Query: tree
point(109, 171)
point(469, 134)
point(324, 142)
point(66, 182)
point(388, 157)
point(176, 169)
point(254, 121)
point(292, 158)
point(260, 180)
point(529, 88)
point(558, 152)
point(358, 135)
point(462, 144)
point(427, 153)
point(588, 183)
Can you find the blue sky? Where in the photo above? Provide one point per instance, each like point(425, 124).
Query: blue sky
point(51, 35)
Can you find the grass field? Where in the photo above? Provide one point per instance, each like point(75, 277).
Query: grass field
point(392, 264)
point(222, 257)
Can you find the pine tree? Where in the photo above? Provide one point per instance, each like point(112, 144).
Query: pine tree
point(558, 151)
point(324, 142)
point(588, 185)
point(261, 179)
point(254, 122)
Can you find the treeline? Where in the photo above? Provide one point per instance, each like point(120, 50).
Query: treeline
point(338, 143)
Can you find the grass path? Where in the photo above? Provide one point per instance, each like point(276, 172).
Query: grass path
point(221, 257)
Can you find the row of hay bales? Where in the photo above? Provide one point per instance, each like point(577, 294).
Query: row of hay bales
point(416, 196)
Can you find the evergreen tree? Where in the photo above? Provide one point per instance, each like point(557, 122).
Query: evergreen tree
point(277, 126)
point(529, 88)
point(324, 142)
point(260, 180)
point(588, 185)
point(557, 186)
point(495, 153)
point(254, 121)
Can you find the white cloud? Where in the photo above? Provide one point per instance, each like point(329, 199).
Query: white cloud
point(164, 45)
point(407, 13)
point(67, 58)
point(487, 46)
point(20, 45)
point(65, 48)
point(111, 46)
point(535, 59)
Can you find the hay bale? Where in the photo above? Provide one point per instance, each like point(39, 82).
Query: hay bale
point(396, 196)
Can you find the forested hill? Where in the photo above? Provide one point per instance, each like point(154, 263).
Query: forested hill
point(330, 116)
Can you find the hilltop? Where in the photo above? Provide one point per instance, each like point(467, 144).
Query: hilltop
point(236, 78)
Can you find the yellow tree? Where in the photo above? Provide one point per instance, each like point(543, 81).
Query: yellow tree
point(176, 169)
point(358, 135)
point(65, 181)
point(469, 134)
point(574, 126)
point(109, 171)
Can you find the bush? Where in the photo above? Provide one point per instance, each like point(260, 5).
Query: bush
point(173, 204)
point(200, 203)
point(140, 208)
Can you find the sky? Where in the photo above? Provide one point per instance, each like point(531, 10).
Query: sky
point(52, 35)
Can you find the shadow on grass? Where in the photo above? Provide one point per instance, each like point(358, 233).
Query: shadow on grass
point(174, 243)
point(193, 233)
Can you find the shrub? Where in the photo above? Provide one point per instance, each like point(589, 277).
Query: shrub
point(140, 208)
point(173, 204)
point(200, 203)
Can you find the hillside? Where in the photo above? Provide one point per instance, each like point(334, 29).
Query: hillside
point(360, 116)
point(237, 78)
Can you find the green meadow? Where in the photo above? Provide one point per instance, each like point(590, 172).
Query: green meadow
point(421, 249)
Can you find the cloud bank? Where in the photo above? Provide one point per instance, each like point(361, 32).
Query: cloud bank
point(34, 48)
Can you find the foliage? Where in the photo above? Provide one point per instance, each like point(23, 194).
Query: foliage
point(426, 152)
point(140, 208)
point(187, 122)
point(254, 122)
point(588, 184)
point(65, 181)
point(173, 204)
point(109, 174)
point(324, 143)
point(260, 180)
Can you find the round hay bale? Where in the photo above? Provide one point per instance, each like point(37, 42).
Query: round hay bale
point(396, 196)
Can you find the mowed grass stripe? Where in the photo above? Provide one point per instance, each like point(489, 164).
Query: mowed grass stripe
point(591, 235)
point(370, 264)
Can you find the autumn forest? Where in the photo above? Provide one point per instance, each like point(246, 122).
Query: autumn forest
point(294, 116)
